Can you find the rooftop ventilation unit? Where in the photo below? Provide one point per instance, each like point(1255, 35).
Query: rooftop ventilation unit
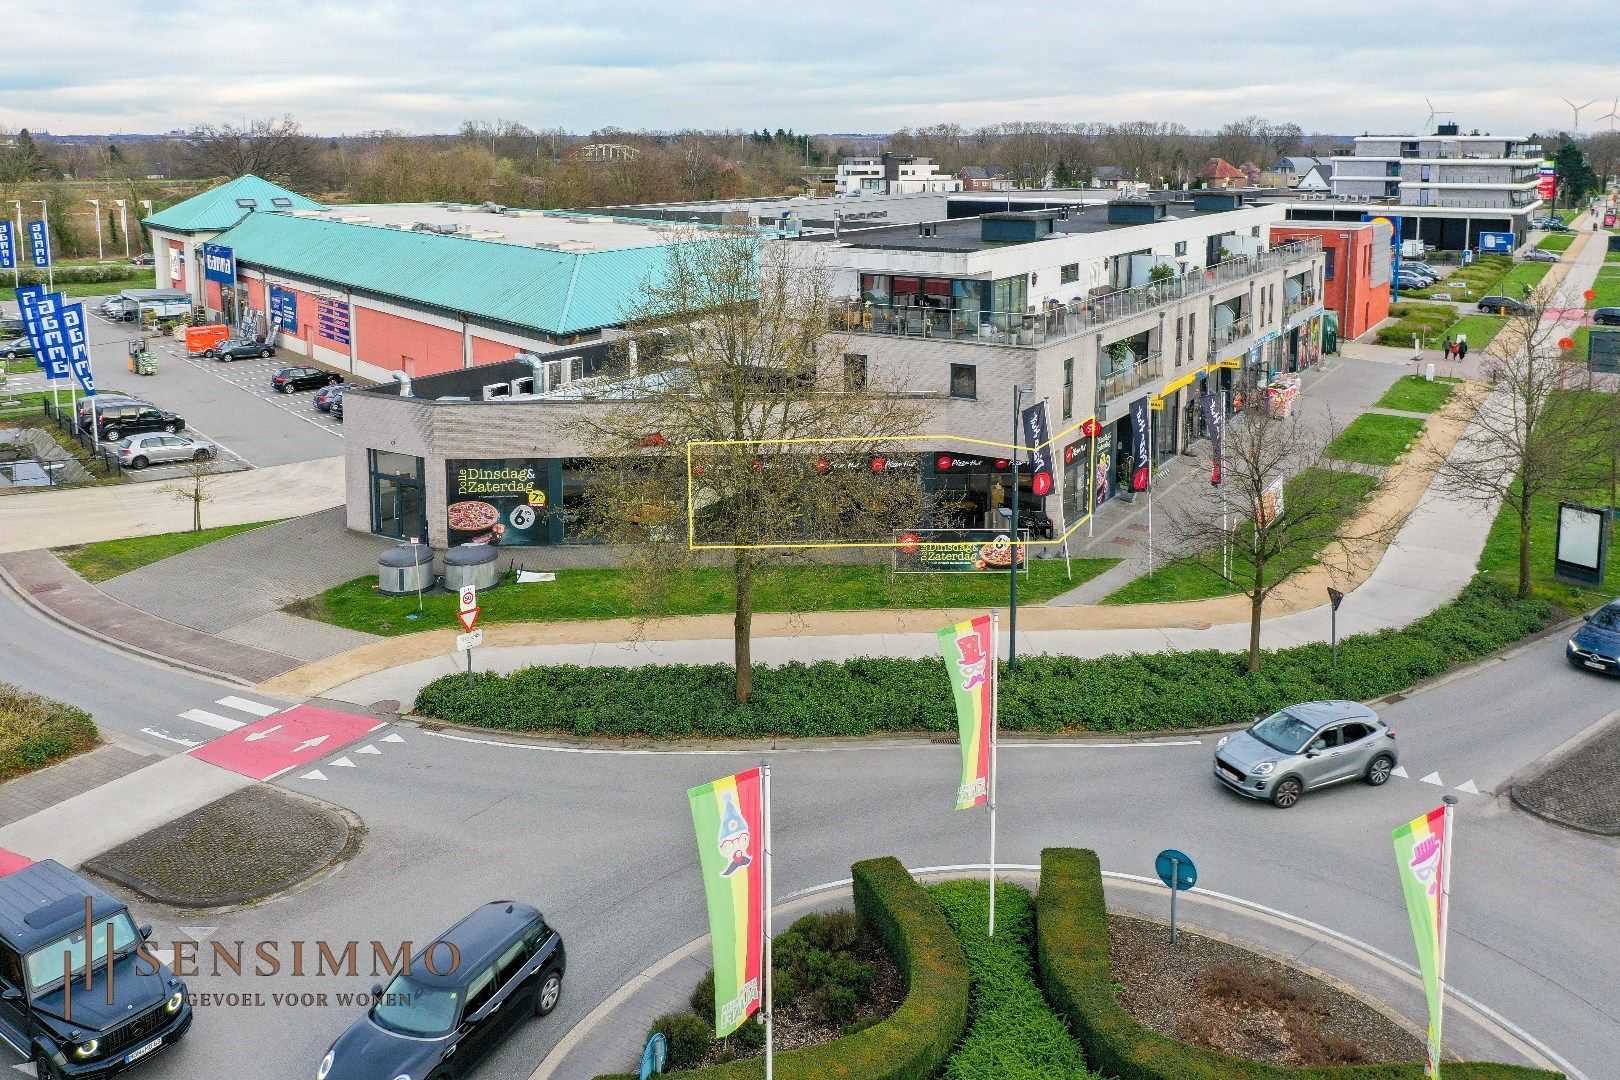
point(492, 208)
point(928, 228)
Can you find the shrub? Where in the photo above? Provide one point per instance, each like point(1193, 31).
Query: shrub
point(36, 731)
point(1136, 692)
point(1071, 953)
point(687, 1034)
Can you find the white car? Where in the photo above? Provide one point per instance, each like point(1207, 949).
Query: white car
point(139, 451)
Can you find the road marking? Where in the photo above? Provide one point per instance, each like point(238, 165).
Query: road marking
point(1432, 778)
point(313, 774)
point(213, 720)
point(368, 749)
point(308, 744)
point(341, 763)
point(1468, 786)
point(257, 708)
point(263, 734)
point(798, 749)
point(1400, 771)
point(392, 737)
point(166, 737)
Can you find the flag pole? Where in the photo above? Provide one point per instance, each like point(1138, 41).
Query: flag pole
point(1450, 819)
point(765, 813)
point(995, 702)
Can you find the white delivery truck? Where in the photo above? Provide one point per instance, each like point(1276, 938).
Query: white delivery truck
point(1413, 249)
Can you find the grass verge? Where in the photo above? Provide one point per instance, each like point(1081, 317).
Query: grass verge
point(1428, 321)
point(1530, 273)
point(1556, 242)
point(36, 732)
point(1376, 438)
point(109, 558)
point(1481, 330)
point(1413, 393)
point(1606, 289)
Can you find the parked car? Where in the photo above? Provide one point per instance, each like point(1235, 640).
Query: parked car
point(143, 259)
point(115, 421)
point(239, 349)
point(1412, 281)
point(1304, 747)
point(1539, 255)
point(511, 967)
point(10, 326)
point(1555, 225)
point(1596, 645)
point(326, 396)
point(104, 402)
point(289, 379)
point(1606, 316)
point(337, 408)
point(1422, 268)
point(139, 451)
point(42, 924)
point(1501, 305)
point(16, 347)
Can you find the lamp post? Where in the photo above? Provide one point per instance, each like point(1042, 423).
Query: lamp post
point(123, 223)
point(101, 254)
point(1335, 598)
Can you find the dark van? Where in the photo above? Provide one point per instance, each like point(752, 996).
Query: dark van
point(74, 1031)
point(457, 1000)
point(116, 421)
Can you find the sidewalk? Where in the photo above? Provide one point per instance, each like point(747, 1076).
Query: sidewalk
point(611, 1037)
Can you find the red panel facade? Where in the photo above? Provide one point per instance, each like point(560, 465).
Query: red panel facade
point(1348, 290)
point(396, 343)
point(485, 351)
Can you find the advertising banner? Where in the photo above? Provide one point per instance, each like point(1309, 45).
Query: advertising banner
point(284, 309)
point(970, 662)
point(1141, 449)
point(1215, 425)
point(958, 551)
point(1419, 858)
point(729, 820)
point(8, 247)
point(497, 501)
point(1271, 503)
point(42, 321)
point(332, 319)
point(76, 332)
point(1547, 187)
point(219, 264)
point(39, 243)
point(1495, 242)
point(1037, 436)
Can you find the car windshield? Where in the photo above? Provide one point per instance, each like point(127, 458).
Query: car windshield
point(1283, 731)
point(413, 1008)
point(49, 963)
point(1606, 618)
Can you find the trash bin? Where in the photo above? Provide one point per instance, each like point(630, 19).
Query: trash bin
point(477, 565)
point(405, 568)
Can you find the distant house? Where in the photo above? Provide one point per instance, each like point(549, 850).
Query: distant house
point(1319, 177)
point(1219, 173)
point(1107, 176)
point(984, 178)
point(1304, 173)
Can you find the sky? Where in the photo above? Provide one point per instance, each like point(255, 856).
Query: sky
point(348, 66)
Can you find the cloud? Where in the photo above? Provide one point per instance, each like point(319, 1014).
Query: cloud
point(837, 65)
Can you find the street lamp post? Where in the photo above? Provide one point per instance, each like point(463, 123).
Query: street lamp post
point(1335, 598)
point(101, 254)
point(123, 222)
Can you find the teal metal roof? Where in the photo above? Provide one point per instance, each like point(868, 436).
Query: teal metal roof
point(557, 292)
point(216, 210)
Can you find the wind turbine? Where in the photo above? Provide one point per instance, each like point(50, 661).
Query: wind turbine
point(1433, 112)
point(1613, 114)
point(1577, 109)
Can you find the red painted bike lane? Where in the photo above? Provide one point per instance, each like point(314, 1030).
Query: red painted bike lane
point(285, 740)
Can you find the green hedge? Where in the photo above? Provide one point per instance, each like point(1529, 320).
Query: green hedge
point(36, 731)
point(916, 1039)
point(93, 274)
point(1138, 692)
point(1071, 952)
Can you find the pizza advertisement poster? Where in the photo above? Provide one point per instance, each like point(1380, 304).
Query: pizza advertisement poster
point(501, 501)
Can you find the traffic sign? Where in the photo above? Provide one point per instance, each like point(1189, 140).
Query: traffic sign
point(1177, 871)
point(468, 617)
point(469, 640)
point(469, 598)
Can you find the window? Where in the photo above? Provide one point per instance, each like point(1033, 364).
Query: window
point(1068, 388)
point(854, 371)
point(1178, 343)
point(1328, 254)
point(1069, 272)
point(1192, 337)
point(481, 990)
point(1181, 247)
point(510, 963)
point(964, 381)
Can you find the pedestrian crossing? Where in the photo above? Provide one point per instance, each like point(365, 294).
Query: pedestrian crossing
point(202, 724)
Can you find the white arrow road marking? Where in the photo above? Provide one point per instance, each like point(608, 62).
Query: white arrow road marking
point(197, 933)
point(264, 734)
point(1433, 778)
point(257, 708)
point(342, 763)
point(392, 737)
point(1468, 786)
point(213, 720)
point(313, 774)
point(310, 744)
point(368, 749)
point(166, 737)
point(1400, 771)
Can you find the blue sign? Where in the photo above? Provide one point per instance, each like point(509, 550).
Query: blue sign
point(1496, 241)
point(332, 319)
point(8, 247)
point(1176, 870)
point(219, 264)
point(1394, 223)
point(654, 1056)
point(39, 243)
point(75, 328)
point(284, 309)
point(42, 322)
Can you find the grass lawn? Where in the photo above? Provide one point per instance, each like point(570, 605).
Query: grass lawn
point(1192, 579)
point(1412, 393)
point(108, 559)
point(1500, 559)
point(1606, 290)
point(1612, 257)
point(1556, 242)
point(24, 404)
point(1428, 321)
point(1529, 273)
point(20, 367)
point(612, 594)
point(1567, 216)
point(138, 279)
point(1375, 439)
point(1481, 330)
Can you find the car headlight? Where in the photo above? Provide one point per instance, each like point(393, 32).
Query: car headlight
point(326, 1065)
point(403, 1076)
point(86, 1049)
point(176, 999)
point(1222, 741)
point(1572, 644)
point(1265, 768)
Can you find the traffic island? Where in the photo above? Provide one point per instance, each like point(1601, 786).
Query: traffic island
point(249, 845)
point(1579, 789)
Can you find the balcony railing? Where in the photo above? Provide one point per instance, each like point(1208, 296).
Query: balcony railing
point(1299, 303)
point(1222, 336)
point(1112, 382)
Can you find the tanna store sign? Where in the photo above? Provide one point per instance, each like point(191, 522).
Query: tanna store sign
point(219, 264)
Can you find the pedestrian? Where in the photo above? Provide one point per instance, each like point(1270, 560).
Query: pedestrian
point(1462, 346)
point(1446, 348)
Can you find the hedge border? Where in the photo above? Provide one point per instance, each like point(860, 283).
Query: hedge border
point(917, 1038)
point(1071, 955)
point(62, 732)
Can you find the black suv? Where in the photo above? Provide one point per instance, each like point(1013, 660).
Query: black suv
point(113, 422)
point(289, 379)
point(42, 939)
point(510, 968)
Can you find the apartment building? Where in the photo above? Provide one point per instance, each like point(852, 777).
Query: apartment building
point(891, 174)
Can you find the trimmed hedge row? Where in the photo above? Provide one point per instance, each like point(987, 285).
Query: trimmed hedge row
point(83, 275)
point(1137, 692)
point(36, 731)
point(1071, 952)
point(916, 1039)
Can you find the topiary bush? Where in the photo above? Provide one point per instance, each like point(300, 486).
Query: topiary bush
point(687, 1035)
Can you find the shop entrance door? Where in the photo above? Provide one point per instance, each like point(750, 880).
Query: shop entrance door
point(398, 496)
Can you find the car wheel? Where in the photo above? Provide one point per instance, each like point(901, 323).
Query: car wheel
point(286, 388)
point(44, 1069)
point(138, 463)
point(177, 428)
point(1287, 793)
point(1379, 770)
point(201, 455)
point(549, 994)
point(266, 354)
point(111, 435)
point(210, 354)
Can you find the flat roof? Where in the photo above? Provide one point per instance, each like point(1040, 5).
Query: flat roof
point(559, 230)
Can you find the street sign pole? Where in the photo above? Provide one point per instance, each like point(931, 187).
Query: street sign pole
point(1012, 606)
point(1335, 598)
point(467, 612)
point(1177, 871)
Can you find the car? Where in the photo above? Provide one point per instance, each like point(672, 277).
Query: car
point(104, 402)
point(289, 379)
point(326, 396)
point(1596, 645)
point(74, 1032)
point(139, 451)
point(337, 408)
point(1413, 266)
point(511, 966)
point(1606, 316)
point(240, 349)
point(11, 326)
point(144, 259)
point(113, 422)
point(1539, 255)
point(1501, 305)
point(1412, 281)
point(1304, 747)
point(16, 348)
point(1555, 226)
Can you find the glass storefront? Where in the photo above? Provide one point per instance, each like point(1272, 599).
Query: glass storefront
point(964, 491)
point(398, 496)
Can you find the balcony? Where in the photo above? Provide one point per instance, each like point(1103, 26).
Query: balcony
point(1114, 381)
point(1295, 304)
point(1236, 330)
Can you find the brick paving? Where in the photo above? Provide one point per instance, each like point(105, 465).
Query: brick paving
point(1580, 789)
point(30, 794)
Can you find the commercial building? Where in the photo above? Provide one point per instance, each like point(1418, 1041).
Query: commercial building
point(1355, 271)
point(892, 174)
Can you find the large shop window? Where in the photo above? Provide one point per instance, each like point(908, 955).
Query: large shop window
point(398, 496)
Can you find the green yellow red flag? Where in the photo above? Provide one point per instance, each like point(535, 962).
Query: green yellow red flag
point(729, 819)
point(969, 649)
point(1420, 847)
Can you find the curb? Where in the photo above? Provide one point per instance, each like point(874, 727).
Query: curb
point(1536, 770)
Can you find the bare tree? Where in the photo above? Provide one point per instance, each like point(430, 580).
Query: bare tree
point(1539, 434)
point(272, 149)
point(1281, 504)
point(193, 488)
point(747, 365)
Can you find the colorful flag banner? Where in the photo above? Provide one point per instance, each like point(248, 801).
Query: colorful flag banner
point(42, 321)
point(8, 247)
point(969, 649)
point(729, 818)
point(1420, 859)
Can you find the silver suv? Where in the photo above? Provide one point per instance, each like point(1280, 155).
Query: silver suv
point(1304, 747)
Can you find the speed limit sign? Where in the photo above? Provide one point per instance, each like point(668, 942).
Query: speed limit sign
point(469, 597)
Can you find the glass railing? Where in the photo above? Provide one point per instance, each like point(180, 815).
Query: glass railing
point(1114, 381)
point(1299, 303)
point(1222, 336)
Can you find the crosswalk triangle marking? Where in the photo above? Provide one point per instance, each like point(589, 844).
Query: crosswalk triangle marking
point(26, 1068)
point(368, 749)
point(1400, 771)
point(1468, 786)
point(313, 774)
point(341, 763)
point(1433, 778)
point(392, 737)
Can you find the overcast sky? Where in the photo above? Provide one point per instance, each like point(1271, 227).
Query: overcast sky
point(342, 66)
